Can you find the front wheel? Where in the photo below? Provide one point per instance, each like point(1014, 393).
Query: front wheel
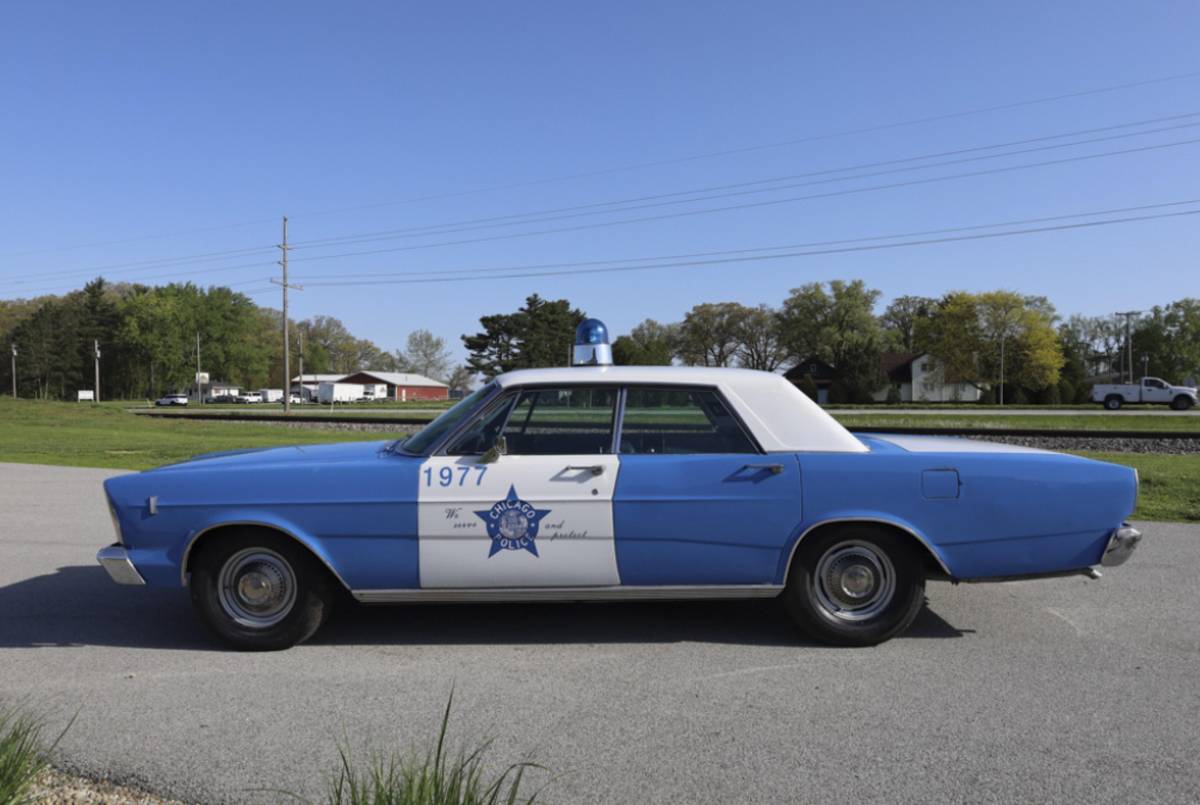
point(854, 585)
point(259, 591)
point(1182, 403)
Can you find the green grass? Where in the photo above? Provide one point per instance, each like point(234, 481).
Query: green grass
point(24, 753)
point(1170, 488)
point(435, 776)
point(1101, 422)
point(80, 435)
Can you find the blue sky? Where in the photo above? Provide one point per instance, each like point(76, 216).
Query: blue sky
point(188, 129)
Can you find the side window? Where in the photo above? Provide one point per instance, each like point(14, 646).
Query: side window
point(672, 420)
point(481, 434)
point(562, 421)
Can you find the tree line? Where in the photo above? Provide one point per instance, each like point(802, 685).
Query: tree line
point(974, 337)
point(148, 343)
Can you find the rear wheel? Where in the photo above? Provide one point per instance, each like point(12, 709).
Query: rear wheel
point(1112, 402)
point(1182, 402)
point(854, 585)
point(259, 591)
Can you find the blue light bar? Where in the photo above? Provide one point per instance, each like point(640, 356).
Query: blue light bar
point(591, 344)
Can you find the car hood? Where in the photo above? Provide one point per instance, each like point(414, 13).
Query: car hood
point(271, 457)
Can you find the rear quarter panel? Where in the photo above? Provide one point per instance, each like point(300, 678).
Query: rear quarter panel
point(1015, 513)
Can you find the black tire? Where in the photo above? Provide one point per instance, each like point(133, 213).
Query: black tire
point(847, 554)
point(1181, 403)
point(295, 592)
point(1113, 402)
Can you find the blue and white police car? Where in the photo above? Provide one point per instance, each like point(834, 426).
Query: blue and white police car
point(602, 482)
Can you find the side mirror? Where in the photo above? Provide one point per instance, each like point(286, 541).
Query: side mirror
point(498, 448)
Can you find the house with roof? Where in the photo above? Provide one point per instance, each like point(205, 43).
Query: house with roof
point(401, 386)
point(920, 377)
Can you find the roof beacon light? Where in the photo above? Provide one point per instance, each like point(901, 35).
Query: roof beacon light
point(591, 344)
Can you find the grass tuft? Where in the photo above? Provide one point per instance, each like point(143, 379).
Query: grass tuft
point(23, 754)
point(437, 776)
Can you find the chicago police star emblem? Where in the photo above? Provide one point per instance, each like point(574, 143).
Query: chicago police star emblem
point(512, 524)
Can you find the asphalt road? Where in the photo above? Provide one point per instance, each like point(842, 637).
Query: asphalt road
point(1065, 691)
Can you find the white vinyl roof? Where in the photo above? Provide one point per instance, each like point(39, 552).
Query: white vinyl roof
point(781, 417)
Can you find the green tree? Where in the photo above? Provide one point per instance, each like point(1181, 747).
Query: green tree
point(648, 344)
point(967, 332)
point(900, 320)
point(839, 327)
point(710, 334)
point(760, 339)
point(1169, 337)
point(426, 354)
point(540, 333)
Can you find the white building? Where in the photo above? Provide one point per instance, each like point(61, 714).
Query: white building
point(920, 378)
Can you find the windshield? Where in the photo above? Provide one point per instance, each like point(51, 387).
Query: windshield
point(423, 440)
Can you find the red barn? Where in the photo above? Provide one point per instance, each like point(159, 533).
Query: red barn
point(402, 386)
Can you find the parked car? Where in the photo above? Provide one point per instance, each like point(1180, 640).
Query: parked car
point(294, 399)
point(600, 482)
point(171, 399)
point(1150, 390)
point(250, 397)
point(221, 399)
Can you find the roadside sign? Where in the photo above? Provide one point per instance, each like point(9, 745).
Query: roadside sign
point(202, 378)
point(86, 396)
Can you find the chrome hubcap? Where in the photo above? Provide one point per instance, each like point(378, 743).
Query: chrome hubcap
point(854, 581)
point(257, 588)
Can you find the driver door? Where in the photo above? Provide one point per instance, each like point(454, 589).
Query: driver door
point(540, 514)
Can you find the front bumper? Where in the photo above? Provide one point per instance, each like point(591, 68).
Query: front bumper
point(1120, 545)
point(115, 559)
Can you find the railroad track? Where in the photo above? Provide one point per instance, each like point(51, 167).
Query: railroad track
point(1073, 433)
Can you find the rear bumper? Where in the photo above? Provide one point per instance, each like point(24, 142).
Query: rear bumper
point(115, 559)
point(1120, 545)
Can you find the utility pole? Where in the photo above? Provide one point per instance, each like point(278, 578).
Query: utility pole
point(1128, 314)
point(287, 367)
point(14, 370)
point(96, 345)
point(299, 333)
point(199, 385)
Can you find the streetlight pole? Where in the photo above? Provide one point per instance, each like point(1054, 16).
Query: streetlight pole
point(96, 346)
point(14, 370)
point(1002, 334)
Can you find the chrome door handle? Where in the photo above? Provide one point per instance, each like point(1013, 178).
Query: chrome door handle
point(774, 469)
point(594, 469)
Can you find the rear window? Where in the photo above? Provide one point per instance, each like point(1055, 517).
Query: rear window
point(675, 421)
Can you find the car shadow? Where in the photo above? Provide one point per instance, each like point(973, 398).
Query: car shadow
point(80, 606)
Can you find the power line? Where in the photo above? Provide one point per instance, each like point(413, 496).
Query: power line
point(650, 164)
point(581, 209)
point(752, 205)
point(757, 258)
point(447, 228)
point(810, 244)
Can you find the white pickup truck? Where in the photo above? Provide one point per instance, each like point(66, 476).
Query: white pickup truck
point(1150, 390)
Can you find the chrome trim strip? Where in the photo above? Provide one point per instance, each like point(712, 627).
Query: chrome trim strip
point(879, 520)
point(613, 593)
point(115, 559)
point(187, 551)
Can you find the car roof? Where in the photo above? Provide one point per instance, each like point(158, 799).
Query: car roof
point(781, 417)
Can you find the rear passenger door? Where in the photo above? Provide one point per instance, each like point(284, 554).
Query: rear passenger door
point(697, 502)
point(538, 516)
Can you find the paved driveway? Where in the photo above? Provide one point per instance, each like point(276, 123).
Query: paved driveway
point(1065, 690)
